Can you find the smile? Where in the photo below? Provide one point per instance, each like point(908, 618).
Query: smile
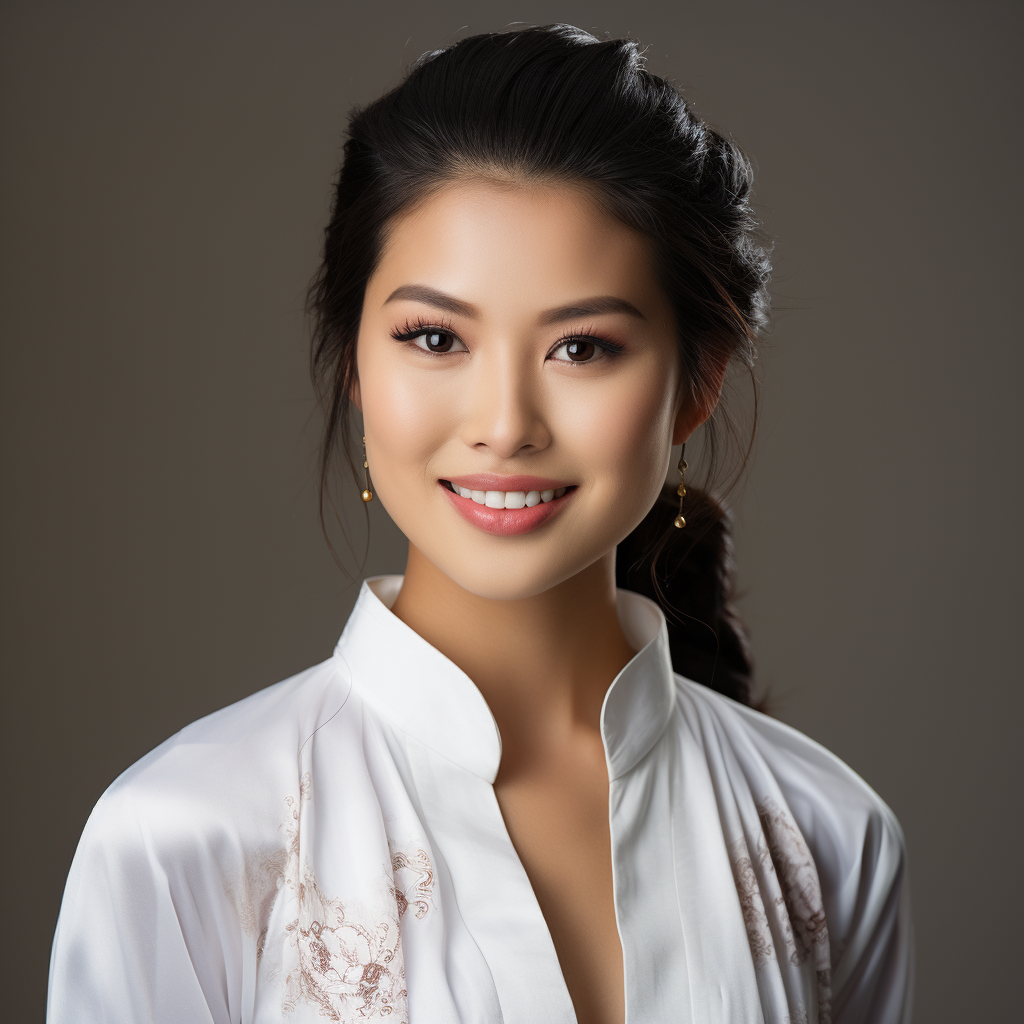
point(507, 513)
point(507, 499)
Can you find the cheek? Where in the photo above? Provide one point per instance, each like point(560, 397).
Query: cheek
point(625, 434)
point(406, 416)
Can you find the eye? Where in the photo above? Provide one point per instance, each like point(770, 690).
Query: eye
point(585, 350)
point(430, 338)
point(438, 341)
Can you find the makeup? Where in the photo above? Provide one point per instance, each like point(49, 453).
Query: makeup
point(507, 505)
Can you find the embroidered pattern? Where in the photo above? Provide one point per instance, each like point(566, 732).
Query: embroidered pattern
point(754, 918)
point(801, 891)
point(422, 886)
point(800, 886)
point(260, 883)
point(346, 957)
point(349, 970)
point(789, 894)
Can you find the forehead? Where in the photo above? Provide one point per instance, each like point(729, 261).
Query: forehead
point(534, 244)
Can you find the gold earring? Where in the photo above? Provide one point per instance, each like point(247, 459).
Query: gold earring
point(681, 489)
point(367, 493)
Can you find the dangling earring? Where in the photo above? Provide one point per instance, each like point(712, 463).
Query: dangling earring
point(681, 489)
point(367, 493)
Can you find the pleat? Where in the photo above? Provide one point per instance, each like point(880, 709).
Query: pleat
point(775, 881)
point(723, 982)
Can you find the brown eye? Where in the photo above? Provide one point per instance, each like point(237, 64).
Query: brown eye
point(580, 350)
point(436, 341)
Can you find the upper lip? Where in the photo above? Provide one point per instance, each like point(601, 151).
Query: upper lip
point(496, 482)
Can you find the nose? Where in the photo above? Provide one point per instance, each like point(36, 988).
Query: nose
point(505, 407)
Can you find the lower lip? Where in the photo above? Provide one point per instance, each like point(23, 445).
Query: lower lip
point(506, 522)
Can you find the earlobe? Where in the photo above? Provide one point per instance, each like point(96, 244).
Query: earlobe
point(353, 395)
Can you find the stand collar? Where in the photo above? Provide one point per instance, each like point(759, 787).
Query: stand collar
point(415, 687)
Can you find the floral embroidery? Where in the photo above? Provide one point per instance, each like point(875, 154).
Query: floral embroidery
point(347, 958)
point(754, 918)
point(260, 883)
point(790, 895)
point(351, 971)
point(800, 886)
point(418, 864)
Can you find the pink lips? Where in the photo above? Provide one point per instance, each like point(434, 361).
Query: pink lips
point(496, 482)
point(506, 522)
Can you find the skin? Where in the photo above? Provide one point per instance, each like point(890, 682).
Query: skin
point(530, 618)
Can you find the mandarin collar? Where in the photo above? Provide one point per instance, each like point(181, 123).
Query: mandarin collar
point(414, 686)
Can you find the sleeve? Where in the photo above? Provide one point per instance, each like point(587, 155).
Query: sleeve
point(861, 858)
point(143, 933)
point(873, 978)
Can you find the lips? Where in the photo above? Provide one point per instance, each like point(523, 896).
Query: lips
point(506, 521)
point(515, 482)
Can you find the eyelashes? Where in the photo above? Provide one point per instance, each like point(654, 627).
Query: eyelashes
point(413, 329)
point(424, 330)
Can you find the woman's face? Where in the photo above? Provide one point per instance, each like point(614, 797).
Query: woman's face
point(514, 342)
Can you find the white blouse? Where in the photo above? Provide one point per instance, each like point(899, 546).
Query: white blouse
point(331, 848)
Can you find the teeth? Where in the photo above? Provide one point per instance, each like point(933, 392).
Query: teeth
point(509, 499)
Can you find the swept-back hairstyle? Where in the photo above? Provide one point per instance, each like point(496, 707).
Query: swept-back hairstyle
point(557, 104)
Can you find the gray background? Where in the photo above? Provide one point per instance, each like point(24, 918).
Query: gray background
point(164, 187)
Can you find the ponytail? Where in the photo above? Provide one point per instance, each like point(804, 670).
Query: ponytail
point(691, 575)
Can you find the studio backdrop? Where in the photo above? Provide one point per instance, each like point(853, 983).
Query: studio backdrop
point(165, 183)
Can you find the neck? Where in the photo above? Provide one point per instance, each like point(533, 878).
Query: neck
point(543, 663)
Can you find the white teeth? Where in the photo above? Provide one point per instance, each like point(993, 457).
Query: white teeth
point(509, 499)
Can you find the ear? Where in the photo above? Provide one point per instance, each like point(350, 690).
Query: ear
point(353, 394)
point(692, 412)
point(690, 416)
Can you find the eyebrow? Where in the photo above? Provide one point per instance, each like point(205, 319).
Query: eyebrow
point(432, 297)
point(584, 307)
point(591, 307)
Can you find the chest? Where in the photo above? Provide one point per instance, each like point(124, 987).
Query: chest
point(557, 818)
point(402, 886)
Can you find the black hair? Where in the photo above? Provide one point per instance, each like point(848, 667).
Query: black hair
point(556, 103)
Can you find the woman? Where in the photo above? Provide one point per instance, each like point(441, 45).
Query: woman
point(517, 791)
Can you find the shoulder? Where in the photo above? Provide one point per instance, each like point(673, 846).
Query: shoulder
point(854, 839)
point(829, 799)
point(221, 773)
point(181, 855)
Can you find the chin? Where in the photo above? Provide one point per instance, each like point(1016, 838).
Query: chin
point(512, 575)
